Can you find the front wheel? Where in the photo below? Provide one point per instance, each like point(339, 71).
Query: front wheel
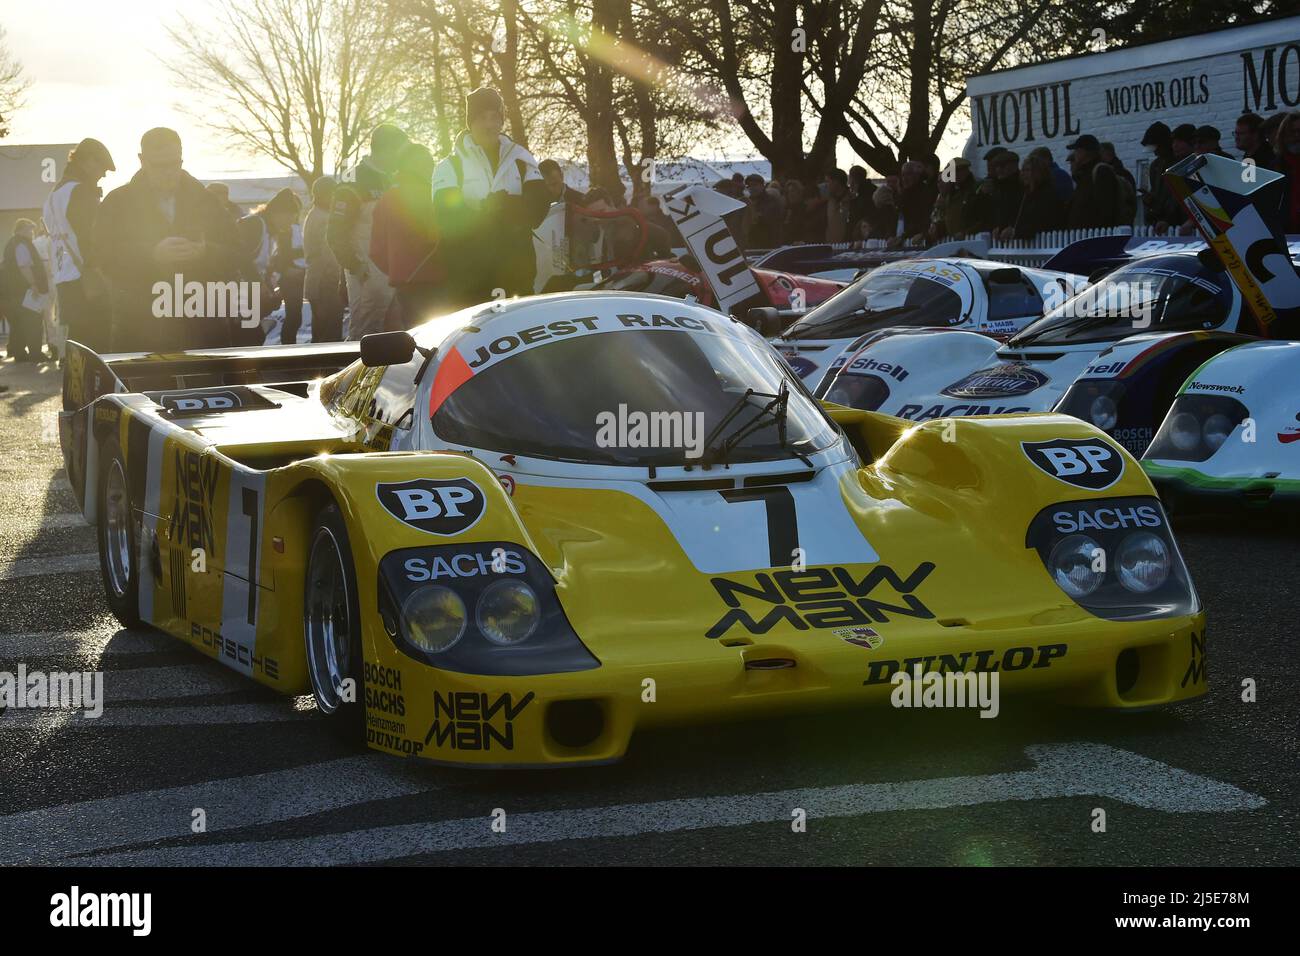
point(332, 620)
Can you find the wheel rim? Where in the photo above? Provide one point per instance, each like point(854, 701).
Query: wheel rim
point(328, 621)
point(117, 530)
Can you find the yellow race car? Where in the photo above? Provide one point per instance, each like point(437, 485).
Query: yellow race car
point(519, 533)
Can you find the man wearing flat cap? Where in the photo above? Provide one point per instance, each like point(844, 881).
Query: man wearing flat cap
point(488, 197)
point(69, 213)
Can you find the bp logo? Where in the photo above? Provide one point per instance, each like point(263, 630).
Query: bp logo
point(1083, 462)
point(1001, 381)
point(443, 507)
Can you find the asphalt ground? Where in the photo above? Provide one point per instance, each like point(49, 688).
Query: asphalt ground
point(1210, 782)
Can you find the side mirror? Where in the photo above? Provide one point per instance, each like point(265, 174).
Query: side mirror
point(1210, 260)
point(386, 348)
point(765, 319)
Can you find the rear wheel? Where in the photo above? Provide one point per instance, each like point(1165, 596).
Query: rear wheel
point(332, 621)
point(119, 537)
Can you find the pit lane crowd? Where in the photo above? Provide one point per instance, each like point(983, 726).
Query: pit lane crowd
point(402, 233)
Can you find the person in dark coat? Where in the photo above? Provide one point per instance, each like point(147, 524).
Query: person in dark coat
point(1041, 210)
point(1095, 203)
point(1249, 137)
point(160, 226)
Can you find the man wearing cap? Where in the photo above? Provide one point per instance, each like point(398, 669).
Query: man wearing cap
point(488, 197)
point(1207, 141)
point(1062, 184)
point(1095, 203)
point(69, 213)
point(1157, 200)
point(350, 225)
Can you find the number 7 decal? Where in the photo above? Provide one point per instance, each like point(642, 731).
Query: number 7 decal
point(782, 522)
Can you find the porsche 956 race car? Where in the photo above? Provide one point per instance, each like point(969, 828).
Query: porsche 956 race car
point(1116, 354)
point(525, 531)
point(1232, 436)
point(990, 300)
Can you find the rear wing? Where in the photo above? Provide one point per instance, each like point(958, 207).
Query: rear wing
point(1237, 207)
point(88, 375)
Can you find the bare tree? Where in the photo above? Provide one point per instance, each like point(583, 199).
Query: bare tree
point(299, 81)
point(13, 85)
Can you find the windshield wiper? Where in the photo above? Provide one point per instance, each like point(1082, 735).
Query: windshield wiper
point(831, 325)
point(773, 413)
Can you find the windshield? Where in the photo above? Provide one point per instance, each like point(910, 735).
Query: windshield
point(918, 294)
point(1131, 300)
point(636, 397)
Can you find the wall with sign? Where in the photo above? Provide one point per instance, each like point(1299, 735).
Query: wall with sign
point(1208, 79)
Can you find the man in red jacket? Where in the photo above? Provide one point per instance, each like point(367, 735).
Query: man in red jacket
point(404, 242)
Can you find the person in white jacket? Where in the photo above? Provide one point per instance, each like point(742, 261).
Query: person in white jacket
point(488, 197)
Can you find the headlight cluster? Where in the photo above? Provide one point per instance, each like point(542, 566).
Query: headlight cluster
point(1114, 556)
point(1196, 427)
point(1097, 401)
point(482, 608)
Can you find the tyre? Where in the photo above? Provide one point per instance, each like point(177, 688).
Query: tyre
point(118, 532)
point(332, 622)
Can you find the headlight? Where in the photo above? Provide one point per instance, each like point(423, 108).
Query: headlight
point(1071, 565)
point(1216, 430)
point(1143, 576)
point(1104, 414)
point(1185, 431)
point(508, 612)
point(1143, 562)
point(434, 617)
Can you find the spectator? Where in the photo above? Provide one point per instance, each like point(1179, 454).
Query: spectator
point(836, 206)
point(860, 190)
point(1207, 141)
point(656, 217)
point(264, 238)
point(404, 241)
point(1041, 210)
point(1269, 133)
point(1125, 184)
point(1287, 148)
point(1062, 184)
point(222, 193)
point(1095, 203)
point(321, 282)
point(69, 214)
point(999, 196)
point(348, 231)
point(738, 185)
point(559, 191)
point(25, 285)
point(795, 227)
point(1182, 143)
point(886, 223)
point(957, 208)
point(488, 197)
point(1157, 199)
point(915, 199)
point(1248, 135)
point(162, 224)
point(762, 220)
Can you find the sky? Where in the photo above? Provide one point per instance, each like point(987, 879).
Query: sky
point(95, 71)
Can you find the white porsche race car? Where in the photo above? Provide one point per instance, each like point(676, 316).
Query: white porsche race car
point(989, 300)
point(1232, 436)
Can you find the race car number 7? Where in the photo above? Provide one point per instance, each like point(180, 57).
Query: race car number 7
point(782, 521)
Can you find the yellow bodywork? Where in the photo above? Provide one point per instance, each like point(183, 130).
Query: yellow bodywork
point(957, 494)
